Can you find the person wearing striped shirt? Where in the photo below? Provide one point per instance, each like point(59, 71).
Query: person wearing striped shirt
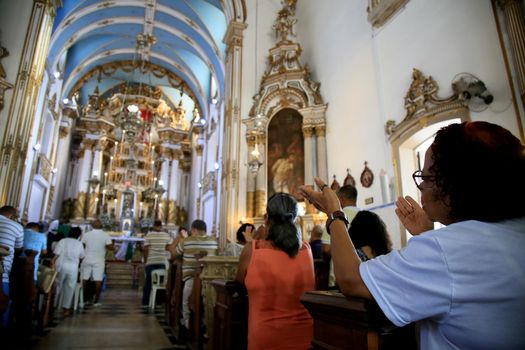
point(155, 255)
point(198, 244)
point(12, 238)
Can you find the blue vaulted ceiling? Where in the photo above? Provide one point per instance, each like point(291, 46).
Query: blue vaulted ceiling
point(188, 43)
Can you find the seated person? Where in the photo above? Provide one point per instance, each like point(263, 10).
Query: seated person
point(172, 247)
point(244, 235)
point(463, 283)
point(369, 235)
point(155, 245)
point(277, 270)
point(316, 243)
point(190, 250)
point(35, 240)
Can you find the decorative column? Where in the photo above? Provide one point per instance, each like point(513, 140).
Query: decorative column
point(164, 182)
point(199, 148)
point(172, 192)
point(260, 184)
point(251, 179)
point(308, 132)
point(515, 23)
point(229, 187)
point(95, 174)
point(322, 162)
point(21, 114)
point(85, 159)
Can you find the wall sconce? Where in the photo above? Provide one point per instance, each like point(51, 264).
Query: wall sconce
point(36, 147)
point(216, 166)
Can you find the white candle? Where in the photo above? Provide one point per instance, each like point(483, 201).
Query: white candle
point(385, 191)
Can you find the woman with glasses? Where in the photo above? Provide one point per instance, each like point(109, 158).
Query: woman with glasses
point(464, 283)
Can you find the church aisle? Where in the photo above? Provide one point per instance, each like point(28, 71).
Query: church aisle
point(119, 323)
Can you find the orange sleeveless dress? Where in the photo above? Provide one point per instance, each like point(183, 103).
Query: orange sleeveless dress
point(275, 283)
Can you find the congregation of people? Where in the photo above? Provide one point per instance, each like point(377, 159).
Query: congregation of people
point(464, 283)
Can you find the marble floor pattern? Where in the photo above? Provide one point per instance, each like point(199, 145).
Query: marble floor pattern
point(119, 323)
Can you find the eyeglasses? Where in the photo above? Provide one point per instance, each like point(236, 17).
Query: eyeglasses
point(419, 178)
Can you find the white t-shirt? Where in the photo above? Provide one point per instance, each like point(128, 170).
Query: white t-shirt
point(95, 242)
point(69, 251)
point(465, 283)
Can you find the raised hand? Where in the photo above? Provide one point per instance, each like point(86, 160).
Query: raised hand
point(412, 216)
point(248, 234)
point(325, 200)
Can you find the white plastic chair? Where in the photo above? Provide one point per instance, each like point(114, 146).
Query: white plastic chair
point(78, 299)
point(158, 282)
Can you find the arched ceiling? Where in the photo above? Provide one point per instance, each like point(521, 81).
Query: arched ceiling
point(182, 37)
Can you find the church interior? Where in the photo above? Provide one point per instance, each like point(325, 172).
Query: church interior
point(129, 112)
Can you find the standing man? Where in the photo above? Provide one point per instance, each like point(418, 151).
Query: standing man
point(195, 246)
point(155, 247)
point(96, 242)
point(348, 197)
point(12, 238)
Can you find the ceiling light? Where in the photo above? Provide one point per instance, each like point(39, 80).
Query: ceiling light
point(216, 166)
point(65, 101)
point(56, 75)
point(199, 185)
point(54, 171)
point(37, 147)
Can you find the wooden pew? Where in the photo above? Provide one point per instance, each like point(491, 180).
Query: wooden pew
point(195, 305)
point(46, 294)
point(230, 327)
point(322, 273)
point(22, 292)
point(174, 295)
point(353, 323)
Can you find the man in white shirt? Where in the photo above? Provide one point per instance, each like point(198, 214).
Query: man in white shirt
point(155, 246)
point(96, 242)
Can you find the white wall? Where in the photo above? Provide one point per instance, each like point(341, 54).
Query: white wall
point(365, 74)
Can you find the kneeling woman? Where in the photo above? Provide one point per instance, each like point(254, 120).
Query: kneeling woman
point(276, 272)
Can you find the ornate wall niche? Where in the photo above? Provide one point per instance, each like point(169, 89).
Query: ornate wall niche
point(380, 11)
point(287, 103)
point(426, 113)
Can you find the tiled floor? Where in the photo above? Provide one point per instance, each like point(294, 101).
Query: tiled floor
point(120, 323)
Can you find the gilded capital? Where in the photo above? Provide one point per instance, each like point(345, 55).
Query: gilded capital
point(320, 130)
point(63, 131)
point(199, 148)
point(308, 131)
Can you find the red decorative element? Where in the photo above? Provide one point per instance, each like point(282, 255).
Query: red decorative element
point(367, 177)
point(349, 179)
point(145, 114)
point(335, 185)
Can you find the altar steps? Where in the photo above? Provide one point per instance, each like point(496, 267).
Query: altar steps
point(121, 274)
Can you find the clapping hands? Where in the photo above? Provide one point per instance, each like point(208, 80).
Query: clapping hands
point(412, 216)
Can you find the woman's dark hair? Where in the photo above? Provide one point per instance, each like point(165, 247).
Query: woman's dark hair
point(367, 229)
point(282, 211)
point(75, 232)
point(240, 237)
point(479, 171)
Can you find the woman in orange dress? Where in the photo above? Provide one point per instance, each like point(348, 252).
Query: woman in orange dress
point(277, 271)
